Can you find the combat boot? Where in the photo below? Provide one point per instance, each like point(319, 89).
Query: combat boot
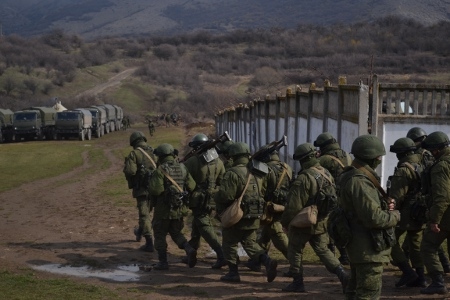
point(296, 286)
point(270, 265)
point(409, 275)
point(191, 254)
point(137, 233)
point(162, 263)
point(420, 281)
point(444, 260)
point(343, 276)
point(232, 275)
point(437, 286)
point(220, 262)
point(148, 247)
point(253, 265)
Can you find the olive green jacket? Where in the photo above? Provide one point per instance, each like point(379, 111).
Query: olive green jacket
point(405, 185)
point(361, 201)
point(135, 159)
point(304, 188)
point(328, 162)
point(156, 188)
point(440, 191)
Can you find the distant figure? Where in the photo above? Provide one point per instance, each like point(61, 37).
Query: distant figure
point(151, 127)
point(167, 118)
point(174, 118)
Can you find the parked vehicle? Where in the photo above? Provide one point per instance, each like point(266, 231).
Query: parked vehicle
point(75, 123)
point(110, 117)
point(34, 122)
point(103, 118)
point(98, 120)
point(6, 125)
point(119, 117)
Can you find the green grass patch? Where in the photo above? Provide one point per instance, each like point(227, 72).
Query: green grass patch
point(28, 286)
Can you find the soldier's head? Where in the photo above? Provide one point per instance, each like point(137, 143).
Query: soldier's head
point(324, 139)
point(136, 137)
point(417, 134)
point(436, 142)
point(223, 148)
point(403, 147)
point(369, 149)
point(304, 152)
point(164, 150)
point(239, 149)
point(198, 140)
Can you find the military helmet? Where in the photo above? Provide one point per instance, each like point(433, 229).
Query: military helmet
point(416, 133)
point(222, 147)
point(403, 145)
point(435, 140)
point(164, 150)
point(304, 150)
point(324, 139)
point(238, 148)
point(367, 147)
point(198, 140)
point(136, 136)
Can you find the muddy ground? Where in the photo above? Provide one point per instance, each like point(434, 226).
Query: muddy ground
point(61, 221)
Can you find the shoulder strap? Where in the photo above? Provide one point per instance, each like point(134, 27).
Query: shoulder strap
point(321, 172)
point(409, 166)
point(336, 159)
point(246, 186)
point(171, 180)
point(281, 178)
point(148, 156)
point(372, 179)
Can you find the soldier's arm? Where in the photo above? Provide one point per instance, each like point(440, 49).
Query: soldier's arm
point(440, 188)
point(297, 198)
point(228, 189)
point(190, 182)
point(400, 185)
point(156, 183)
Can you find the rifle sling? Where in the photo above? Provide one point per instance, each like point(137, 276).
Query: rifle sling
point(372, 179)
point(336, 159)
point(148, 156)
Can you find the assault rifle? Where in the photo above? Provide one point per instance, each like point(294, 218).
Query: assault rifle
point(207, 145)
point(264, 152)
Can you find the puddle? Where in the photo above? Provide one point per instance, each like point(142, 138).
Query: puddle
point(124, 273)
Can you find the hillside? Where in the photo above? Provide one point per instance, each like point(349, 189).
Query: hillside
point(94, 18)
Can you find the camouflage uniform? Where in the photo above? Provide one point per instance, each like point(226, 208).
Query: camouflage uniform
point(168, 218)
point(208, 177)
point(303, 193)
point(369, 220)
point(136, 164)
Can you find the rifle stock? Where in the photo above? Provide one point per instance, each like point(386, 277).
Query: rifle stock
point(275, 145)
point(207, 145)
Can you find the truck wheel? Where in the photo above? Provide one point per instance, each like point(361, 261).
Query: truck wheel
point(107, 127)
point(98, 132)
point(82, 136)
point(89, 135)
point(112, 127)
point(102, 130)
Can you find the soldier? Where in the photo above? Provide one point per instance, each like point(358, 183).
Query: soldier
point(437, 188)
point(170, 184)
point(222, 148)
point(405, 189)
point(151, 127)
point(334, 159)
point(240, 180)
point(138, 164)
point(371, 218)
point(303, 192)
point(207, 171)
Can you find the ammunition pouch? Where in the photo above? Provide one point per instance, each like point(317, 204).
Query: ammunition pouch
point(253, 209)
point(383, 239)
point(175, 198)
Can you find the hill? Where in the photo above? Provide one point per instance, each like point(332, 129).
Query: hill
point(94, 18)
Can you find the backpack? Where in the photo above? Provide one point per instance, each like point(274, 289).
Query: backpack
point(138, 175)
point(338, 227)
point(174, 181)
point(325, 198)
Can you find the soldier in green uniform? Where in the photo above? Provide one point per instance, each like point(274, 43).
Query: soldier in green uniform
point(151, 127)
point(437, 188)
point(232, 187)
point(303, 192)
point(170, 184)
point(138, 163)
point(207, 170)
point(405, 189)
point(334, 159)
point(222, 148)
point(371, 218)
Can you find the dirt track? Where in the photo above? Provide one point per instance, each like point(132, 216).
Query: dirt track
point(61, 221)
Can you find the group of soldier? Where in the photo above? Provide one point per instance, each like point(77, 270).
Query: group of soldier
point(218, 172)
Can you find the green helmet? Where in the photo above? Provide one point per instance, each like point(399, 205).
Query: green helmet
point(324, 139)
point(367, 147)
point(164, 150)
point(135, 136)
point(198, 140)
point(223, 147)
point(238, 148)
point(304, 150)
point(416, 133)
point(403, 145)
point(435, 140)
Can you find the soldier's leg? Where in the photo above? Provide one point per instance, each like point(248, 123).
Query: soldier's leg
point(278, 237)
point(415, 238)
point(230, 239)
point(175, 232)
point(350, 291)
point(399, 259)
point(195, 233)
point(368, 280)
point(160, 230)
point(143, 205)
point(297, 242)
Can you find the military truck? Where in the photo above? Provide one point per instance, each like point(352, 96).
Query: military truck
point(34, 122)
point(75, 123)
point(103, 118)
point(98, 120)
point(119, 117)
point(110, 117)
point(6, 125)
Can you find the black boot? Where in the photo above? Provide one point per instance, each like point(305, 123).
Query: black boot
point(162, 263)
point(420, 281)
point(232, 275)
point(444, 260)
point(137, 233)
point(437, 286)
point(296, 286)
point(270, 265)
point(148, 247)
point(343, 276)
point(344, 257)
point(220, 262)
point(253, 265)
point(191, 254)
point(409, 275)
